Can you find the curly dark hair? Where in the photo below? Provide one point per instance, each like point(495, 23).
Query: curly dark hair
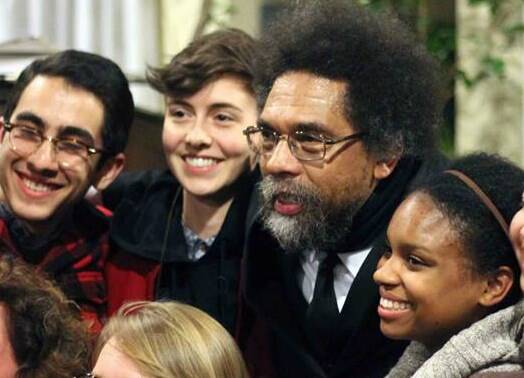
point(392, 91)
point(224, 52)
point(45, 331)
point(482, 237)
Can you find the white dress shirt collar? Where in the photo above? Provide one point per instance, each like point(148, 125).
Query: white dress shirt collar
point(344, 274)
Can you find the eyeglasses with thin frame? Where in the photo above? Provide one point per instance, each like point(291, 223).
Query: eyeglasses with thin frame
point(305, 146)
point(25, 140)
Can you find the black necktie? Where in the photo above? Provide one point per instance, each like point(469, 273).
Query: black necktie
point(322, 313)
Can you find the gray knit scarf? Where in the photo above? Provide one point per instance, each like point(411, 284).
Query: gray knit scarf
point(494, 343)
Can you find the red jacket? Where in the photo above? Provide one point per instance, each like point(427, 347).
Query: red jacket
point(129, 278)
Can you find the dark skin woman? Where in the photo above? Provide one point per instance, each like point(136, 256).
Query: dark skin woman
point(449, 278)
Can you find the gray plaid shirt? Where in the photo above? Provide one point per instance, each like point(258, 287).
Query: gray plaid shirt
point(196, 247)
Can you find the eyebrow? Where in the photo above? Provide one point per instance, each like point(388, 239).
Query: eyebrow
point(312, 126)
point(221, 105)
point(177, 101)
point(302, 126)
point(410, 246)
point(31, 117)
point(66, 130)
point(77, 132)
point(264, 125)
point(215, 105)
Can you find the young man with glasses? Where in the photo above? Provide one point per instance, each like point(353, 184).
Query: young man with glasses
point(64, 129)
point(348, 110)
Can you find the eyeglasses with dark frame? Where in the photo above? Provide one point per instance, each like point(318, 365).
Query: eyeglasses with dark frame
point(26, 139)
point(305, 146)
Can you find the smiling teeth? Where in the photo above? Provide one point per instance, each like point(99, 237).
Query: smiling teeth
point(200, 162)
point(394, 305)
point(36, 186)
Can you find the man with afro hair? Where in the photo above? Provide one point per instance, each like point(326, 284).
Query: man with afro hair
point(349, 105)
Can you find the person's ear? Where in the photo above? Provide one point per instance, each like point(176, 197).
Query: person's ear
point(109, 171)
point(384, 168)
point(497, 286)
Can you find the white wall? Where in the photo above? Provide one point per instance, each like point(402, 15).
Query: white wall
point(126, 31)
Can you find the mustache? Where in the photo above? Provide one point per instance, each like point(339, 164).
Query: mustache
point(286, 189)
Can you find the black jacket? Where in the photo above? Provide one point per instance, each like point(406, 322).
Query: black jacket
point(142, 205)
point(273, 295)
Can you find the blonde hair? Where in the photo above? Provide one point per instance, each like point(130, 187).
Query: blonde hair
point(171, 339)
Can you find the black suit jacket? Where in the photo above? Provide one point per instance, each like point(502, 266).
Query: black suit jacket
point(272, 291)
point(277, 308)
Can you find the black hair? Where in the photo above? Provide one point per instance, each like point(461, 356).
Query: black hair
point(482, 237)
point(95, 74)
point(224, 52)
point(392, 90)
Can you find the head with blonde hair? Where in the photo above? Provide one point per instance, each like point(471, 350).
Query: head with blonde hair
point(167, 339)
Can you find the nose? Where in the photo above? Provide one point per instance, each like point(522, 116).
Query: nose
point(43, 159)
point(387, 272)
point(281, 161)
point(198, 136)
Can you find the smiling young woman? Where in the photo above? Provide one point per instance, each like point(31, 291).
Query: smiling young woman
point(448, 278)
point(181, 231)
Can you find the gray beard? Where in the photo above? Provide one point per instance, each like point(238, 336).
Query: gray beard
point(321, 225)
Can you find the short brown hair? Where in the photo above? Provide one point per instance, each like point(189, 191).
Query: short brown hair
point(224, 52)
point(45, 331)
